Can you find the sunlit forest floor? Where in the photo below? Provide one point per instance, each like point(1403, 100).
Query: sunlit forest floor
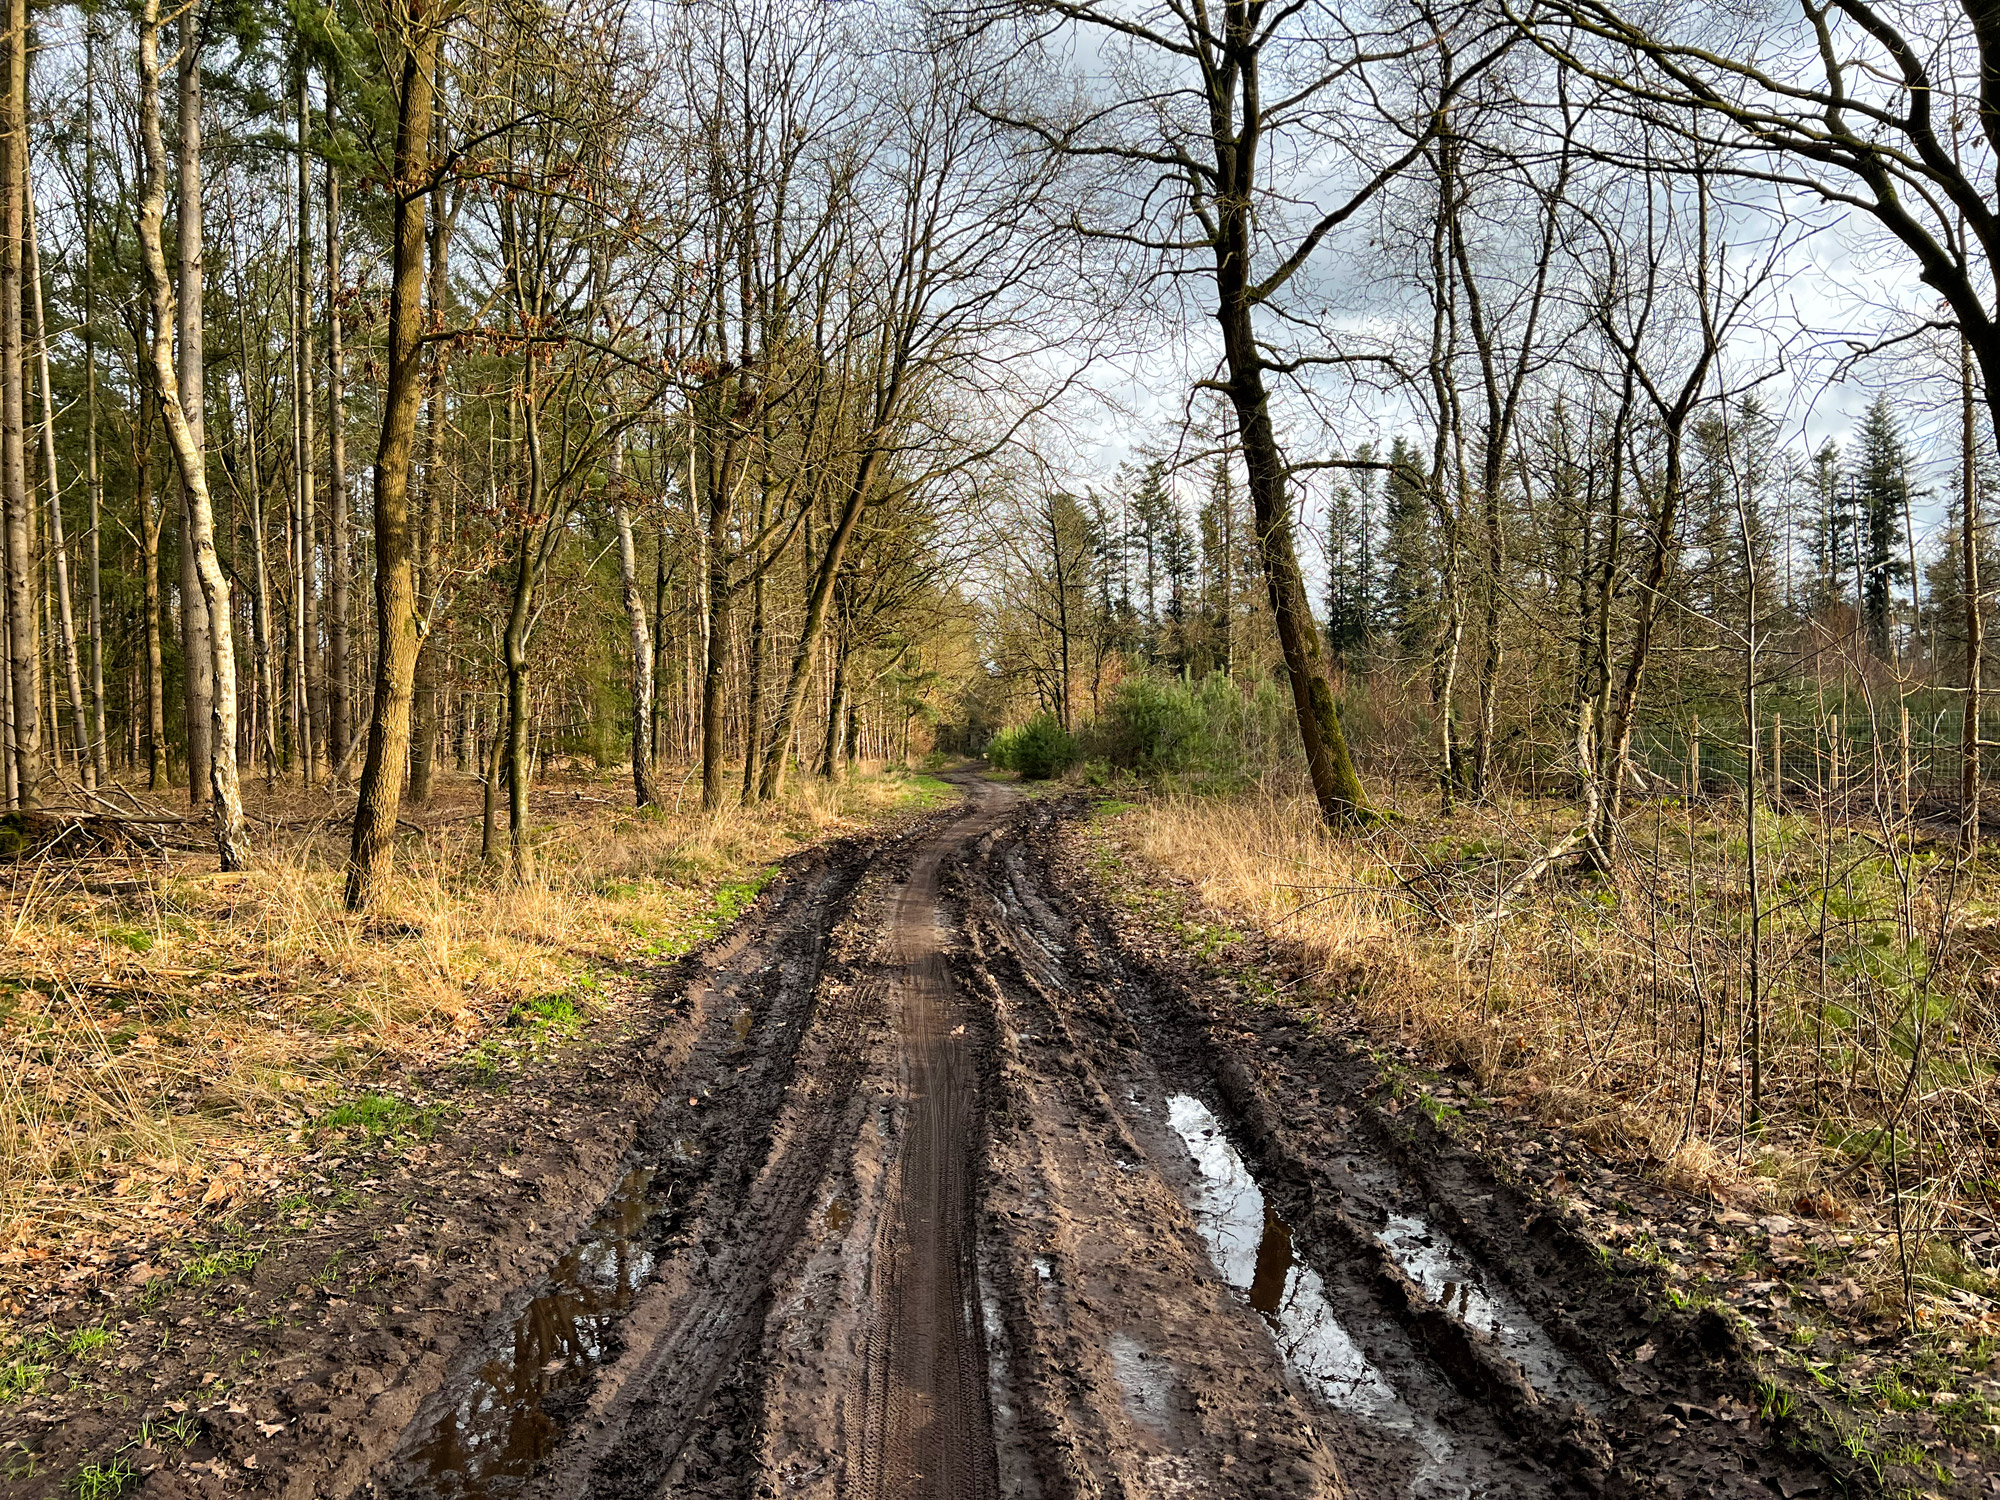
point(175, 1043)
point(1596, 1036)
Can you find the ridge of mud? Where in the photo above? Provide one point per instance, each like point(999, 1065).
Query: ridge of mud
point(1300, 1093)
point(478, 1213)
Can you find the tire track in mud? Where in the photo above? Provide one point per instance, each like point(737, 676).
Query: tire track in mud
point(961, 1198)
point(927, 1429)
point(752, 1013)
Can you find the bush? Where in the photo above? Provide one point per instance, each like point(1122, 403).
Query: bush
point(1040, 749)
point(1212, 732)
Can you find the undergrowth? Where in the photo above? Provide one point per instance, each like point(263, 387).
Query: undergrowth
point(1616, 1005)
point(172, 1039)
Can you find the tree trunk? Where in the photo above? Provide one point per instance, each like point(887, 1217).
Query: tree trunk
point(58, 547)
point(643, 791)
point(23, 624)
point(179, 397)
point(777, 753)
point(340, 565)
point(515, 660)
point(260, 602)
point(753, 706)
point(1336, 786)
point(197, 673)
point(716, 625)
point(313, 721)
point(151, 521)
point(833, 762)
point(396, 624)
point(423, 737)
point(1975, 625)
point(93, 482)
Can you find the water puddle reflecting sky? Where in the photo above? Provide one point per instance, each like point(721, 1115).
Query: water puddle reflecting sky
point(1451, 1278)
point(1252, 1247)
point(504, 1421)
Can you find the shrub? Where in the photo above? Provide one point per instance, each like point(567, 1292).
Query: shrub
point(1212, 732)
point(1039, 749)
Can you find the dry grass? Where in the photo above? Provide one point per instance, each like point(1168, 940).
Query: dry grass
point(171, 1039)
point(1619, 1008)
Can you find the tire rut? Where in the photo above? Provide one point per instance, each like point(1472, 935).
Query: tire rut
point(962, 1196)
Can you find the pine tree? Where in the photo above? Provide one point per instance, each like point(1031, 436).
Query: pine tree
point(1881, 505)
point(1833, 552)
point(1409, 553)
point(1350, 562)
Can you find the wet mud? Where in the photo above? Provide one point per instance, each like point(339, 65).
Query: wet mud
point(950, 1181)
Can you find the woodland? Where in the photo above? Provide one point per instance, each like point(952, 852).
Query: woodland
point(1498, 490)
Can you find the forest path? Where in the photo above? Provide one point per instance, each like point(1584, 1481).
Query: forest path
point(960, 1193)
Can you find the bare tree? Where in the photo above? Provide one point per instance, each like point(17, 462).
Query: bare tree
point(1208, 122)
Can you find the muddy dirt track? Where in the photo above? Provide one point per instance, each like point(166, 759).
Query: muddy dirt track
point(937, 1177)
point(956, 1192)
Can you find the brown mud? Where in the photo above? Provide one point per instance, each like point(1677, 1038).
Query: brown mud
point(936, 1177)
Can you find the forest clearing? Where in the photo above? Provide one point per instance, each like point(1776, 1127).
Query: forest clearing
point(1033, 748)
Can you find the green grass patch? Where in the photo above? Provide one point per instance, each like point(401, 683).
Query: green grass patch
point(376, 1114)
point(926, 792)
point(21, 1376)
point(548, 1017)
point(87, 1341)
point(96, 1481)
point(214, 1264)
point(728, 903)
point(136, 939)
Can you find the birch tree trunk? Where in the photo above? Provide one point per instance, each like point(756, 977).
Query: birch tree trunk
point(198, 672)
point(643, 792)
point(176, 401)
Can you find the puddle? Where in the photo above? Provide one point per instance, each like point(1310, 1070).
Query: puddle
point(1451, 1279)
point(839, 1214)
point(741, 1023)
point(504, 1421)
point(1252, 1248)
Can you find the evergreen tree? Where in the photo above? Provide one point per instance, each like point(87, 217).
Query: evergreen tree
point(1227, 543)
point(1350, 561)
point(1409, 552)
point(1881, 504)
point(1834, 556)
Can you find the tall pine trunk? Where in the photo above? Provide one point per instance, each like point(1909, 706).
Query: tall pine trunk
point(23, 619)
point(313, 720)
point(423, 737)
point(396, 624)
point(340, 563)
point(58, 546)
